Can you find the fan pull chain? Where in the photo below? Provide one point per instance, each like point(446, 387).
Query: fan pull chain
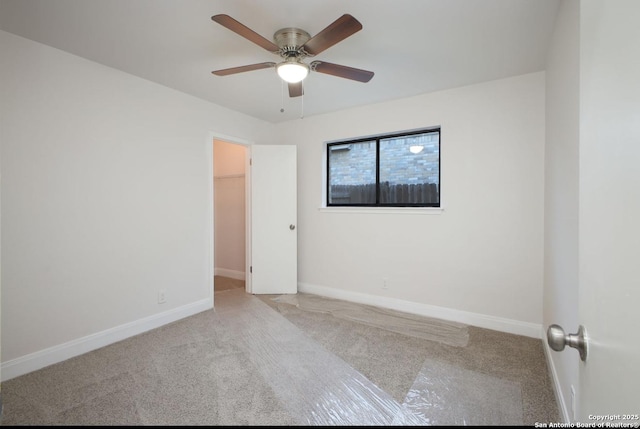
point(302, 101)
point(282, 96)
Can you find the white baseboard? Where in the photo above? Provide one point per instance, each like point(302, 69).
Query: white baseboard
point(61, 352)
point(557, 387)
point(238, 275)
point(474, 319)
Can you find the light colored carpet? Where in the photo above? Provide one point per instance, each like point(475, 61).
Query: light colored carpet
point(255, 361)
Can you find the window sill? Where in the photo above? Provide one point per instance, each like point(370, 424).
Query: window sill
point(384, 210)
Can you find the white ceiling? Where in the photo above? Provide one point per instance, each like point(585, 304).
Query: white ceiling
point(413, 46)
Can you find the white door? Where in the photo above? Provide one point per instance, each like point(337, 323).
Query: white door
point(273, 212)
point(609, 303)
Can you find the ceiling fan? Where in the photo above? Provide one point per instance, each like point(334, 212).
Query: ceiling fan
point(293, 45)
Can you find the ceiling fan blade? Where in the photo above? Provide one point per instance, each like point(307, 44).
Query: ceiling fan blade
point(242, 69)
point(246, 32)
point(295, 89)
point(342, 71)
point(339, 30)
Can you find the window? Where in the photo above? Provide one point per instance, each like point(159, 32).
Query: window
point(392, 170)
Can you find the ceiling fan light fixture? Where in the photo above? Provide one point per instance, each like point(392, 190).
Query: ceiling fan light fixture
point(292, 70)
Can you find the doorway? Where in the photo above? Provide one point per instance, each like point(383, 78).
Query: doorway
point(229, 191)
point(269, 215)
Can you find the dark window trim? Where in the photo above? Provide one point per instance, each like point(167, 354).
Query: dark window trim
point(377, 139)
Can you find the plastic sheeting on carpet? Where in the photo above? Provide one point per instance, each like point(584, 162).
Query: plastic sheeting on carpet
point(316, 386)
point(450, 333)
point(447, 395)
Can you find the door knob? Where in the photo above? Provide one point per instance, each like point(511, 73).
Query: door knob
point(557, 340)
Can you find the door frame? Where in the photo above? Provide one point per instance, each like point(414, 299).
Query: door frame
point(212, 136)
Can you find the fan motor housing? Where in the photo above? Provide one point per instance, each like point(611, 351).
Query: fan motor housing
point(290, 40)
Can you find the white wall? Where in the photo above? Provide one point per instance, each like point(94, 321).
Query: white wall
point(481, 259)
point(561, 287)
point(106, 199)
point(230, 207)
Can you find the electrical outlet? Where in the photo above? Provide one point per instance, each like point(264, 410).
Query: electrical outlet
point(385, 283)
point(162, 296)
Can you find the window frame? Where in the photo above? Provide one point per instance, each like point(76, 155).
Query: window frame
point(377, 139)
